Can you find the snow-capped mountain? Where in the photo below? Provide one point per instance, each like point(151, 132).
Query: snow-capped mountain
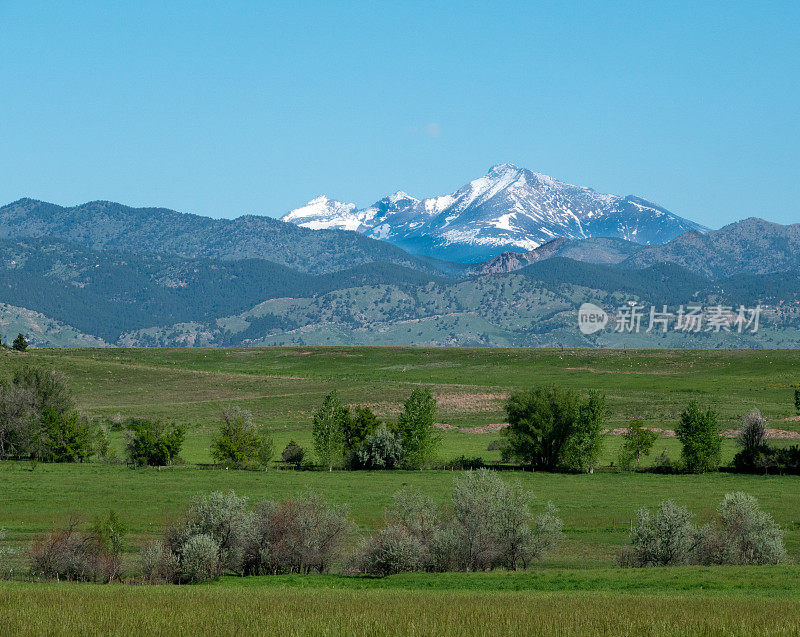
point(509, 208)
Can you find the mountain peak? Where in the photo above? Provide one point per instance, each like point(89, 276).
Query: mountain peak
point(508, 208)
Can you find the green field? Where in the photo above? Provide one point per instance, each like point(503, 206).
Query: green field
point(676, 601)
point(577, 588)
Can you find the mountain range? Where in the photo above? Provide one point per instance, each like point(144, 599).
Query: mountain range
point(509, 208)
point(102, 273)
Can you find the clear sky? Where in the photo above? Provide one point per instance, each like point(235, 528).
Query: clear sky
point(226, 108)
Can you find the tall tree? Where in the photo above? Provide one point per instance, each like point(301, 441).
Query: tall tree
point(416, 428)
point(698, 432)
point(328, 430)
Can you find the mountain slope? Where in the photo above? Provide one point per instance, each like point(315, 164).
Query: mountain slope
point(751, 246)
point(509, 208)
point(104, 224)
point(105, 293)
point(596, 250)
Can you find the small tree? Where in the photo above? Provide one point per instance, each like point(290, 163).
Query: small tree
point(415, 426)
point(381, 450)
point(65, 437)
point(554, 428)
point(293, 454)
point(637, 442)
point(152, 442)
point(328, 430)
point(238, 440)
point(797, 399)
point(361, 424)
point(20, 343)
point(752, 430)
point(698, 432)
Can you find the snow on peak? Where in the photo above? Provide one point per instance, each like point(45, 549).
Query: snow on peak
point(508, 208)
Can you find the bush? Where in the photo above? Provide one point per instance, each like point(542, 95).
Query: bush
point(152, 442)
point(741, 534)
point(667, 538)
point(699, 432)
point(238, 441)
point(37, 419)
point(392, 550)
point(381, 450)
point(298, 535)
point(419, 437)
point(493, 526)
point(200, 559)
point(72, 554)
point(554, 428)
point(293, 454)
point(744, 534)
point(65, 437)
point(159, 564)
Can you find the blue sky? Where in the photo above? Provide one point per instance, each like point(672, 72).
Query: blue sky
point(231, 108)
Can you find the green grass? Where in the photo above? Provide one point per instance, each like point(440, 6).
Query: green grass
point(283, 386)
point(574, 591)
point(473, 604)
point(597, 509)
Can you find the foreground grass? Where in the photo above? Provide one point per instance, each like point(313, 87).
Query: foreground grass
point(467, 604)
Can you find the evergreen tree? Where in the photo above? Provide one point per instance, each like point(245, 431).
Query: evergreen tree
point(20, 343)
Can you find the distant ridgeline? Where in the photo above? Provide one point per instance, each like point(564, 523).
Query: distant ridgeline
point(106, 274)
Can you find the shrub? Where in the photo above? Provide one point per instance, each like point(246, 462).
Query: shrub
point(492, 523)
point(419, 437)
point(301, 535)
point(159, 564)
point(744, 534)
point(238, 441)
point(152, 442)
point(65, 437)
point(381, 450)
point(392, 550)
point(328, 430)
point(698, 432)
point(554, 428)
point(637, 442)
point(667, 538)
point(64, 554)
point(72, 554)
point(293, 454)
point(225, 518)
point(200, 559)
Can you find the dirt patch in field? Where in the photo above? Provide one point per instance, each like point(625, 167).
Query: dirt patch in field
point(774, 434)
point(594, 370)
point(792, 419)
point(470, 401)
point(485, 429)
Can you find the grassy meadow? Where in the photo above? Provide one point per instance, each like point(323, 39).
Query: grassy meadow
point(575, 590)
